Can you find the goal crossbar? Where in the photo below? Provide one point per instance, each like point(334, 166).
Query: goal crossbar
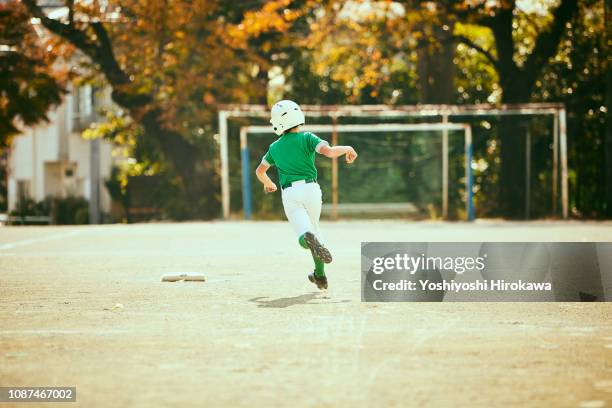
point(357, 128)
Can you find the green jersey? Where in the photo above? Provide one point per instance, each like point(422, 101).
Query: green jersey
point(293, 154)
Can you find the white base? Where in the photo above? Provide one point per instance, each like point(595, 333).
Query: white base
point(183, 276)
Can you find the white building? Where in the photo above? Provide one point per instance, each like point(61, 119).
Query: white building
point(52, 159)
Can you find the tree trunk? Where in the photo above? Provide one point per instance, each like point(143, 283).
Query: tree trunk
point(517, 84)
point(512, 130)
point(436, 70)
point(436, 73)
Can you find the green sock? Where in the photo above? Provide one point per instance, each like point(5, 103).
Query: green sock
point(319, 265)
point(319, 268)
point(302, 242)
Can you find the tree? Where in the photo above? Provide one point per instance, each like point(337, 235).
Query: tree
point(577, 78)
point(423, 34)
point(29, 85)
point(169, 63)
point(365, 47)
point(517, 72)
point(134, 88)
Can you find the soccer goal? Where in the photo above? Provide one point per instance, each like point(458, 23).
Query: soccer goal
point(553, 138)
point(359, 128)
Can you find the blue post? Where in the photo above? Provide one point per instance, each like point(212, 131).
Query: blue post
point(247, 204)
point(468, 175)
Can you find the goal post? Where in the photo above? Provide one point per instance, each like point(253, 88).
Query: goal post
point(446, 113)
point(360, 128)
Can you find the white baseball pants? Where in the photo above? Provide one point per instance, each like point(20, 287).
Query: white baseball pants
point(302, 203)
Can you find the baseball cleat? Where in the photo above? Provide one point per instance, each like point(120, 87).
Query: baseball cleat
point(320, 282)
point(317, 248)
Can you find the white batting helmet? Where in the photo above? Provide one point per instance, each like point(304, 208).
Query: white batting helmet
point(285, 115)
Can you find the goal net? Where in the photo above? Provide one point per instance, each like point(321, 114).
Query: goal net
point(402, 169)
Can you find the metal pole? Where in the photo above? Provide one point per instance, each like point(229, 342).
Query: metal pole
point(563, 146)
point(468, 174)
point(246, 175)
point(238, 110)
point(34, 186)
point(555, 175)
point(225, 193)
point(445, 169)
point(334, 213)
point(94, 181)
point(527, 172)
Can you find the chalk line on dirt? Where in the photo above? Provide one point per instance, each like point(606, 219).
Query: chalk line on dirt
point(25, 242)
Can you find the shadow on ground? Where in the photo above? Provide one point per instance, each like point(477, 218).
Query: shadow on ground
point(305, 299)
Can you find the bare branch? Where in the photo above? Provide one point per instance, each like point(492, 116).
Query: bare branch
point(99, 50)
point(105, 56)
point(66, 31)
point(464, 40)
point(501, 26)
point(548, 41)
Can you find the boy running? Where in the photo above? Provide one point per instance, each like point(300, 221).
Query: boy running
point(293, 154)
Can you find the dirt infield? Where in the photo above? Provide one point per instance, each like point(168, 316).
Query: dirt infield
point(84, 307)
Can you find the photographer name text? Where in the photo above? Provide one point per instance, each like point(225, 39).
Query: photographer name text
point(452, 286)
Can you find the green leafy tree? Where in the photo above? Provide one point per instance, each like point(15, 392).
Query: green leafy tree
point(519, 58)
point(577, 77)
point(505, 52)
point(29, 85)
point(169, 63)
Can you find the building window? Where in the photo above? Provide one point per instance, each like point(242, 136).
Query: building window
point(82, 107)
